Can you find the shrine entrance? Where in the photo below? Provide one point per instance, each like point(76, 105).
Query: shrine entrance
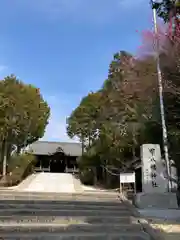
point(57, 166)
point(56, 163)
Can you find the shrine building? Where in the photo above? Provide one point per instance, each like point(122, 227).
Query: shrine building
point(56, 157)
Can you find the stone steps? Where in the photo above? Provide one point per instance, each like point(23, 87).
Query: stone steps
point(65, 212)
point(85, 193)
point(70, 217)
point(79, 236)
point(12, 195)
point(69, 220)
point(45, 202)
point(51, 198)
point(106, 220)
point(66, 228)
point(57, 206)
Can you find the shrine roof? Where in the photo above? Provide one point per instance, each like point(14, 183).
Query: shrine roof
point(48, 148)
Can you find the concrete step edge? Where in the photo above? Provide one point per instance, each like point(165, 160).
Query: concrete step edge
point(69, 219)
point(59, 206)
point(70, 227)
point(142, 235)
point(84, 192)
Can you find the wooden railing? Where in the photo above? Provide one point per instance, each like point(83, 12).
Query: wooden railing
point(67, 170)
point(39, 169)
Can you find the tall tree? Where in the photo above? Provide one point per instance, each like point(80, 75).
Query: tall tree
point(169, 52)
point(83, 121)
point(166, 8)
point(124, 108)
point(23, 115)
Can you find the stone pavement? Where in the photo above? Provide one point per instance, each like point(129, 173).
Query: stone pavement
point(166, 222)
point(53, 182)
point(67, 217)
point(166, 229)
point(162, 223)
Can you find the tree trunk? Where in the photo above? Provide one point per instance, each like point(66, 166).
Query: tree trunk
point(9, 151)
point(5, 159)
point(2, 152)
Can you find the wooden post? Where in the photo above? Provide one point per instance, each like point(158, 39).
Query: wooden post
point(49, 164)
point(40, 165)
point(66, 167)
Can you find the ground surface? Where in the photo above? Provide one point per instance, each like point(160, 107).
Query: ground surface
point(51, 182)
point(67, 217)
point(65, 209)
point(165, 221)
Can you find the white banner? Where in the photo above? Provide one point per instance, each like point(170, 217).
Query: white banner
point(127, 177)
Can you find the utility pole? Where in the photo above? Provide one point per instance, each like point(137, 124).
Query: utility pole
point(161, 100)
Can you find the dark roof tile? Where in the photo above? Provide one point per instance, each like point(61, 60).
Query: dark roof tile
point(46, 148)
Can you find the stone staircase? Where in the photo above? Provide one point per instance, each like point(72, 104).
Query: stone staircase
point(88, 216)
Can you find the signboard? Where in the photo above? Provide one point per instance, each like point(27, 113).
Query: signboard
point(127, 177)
point(152, 169)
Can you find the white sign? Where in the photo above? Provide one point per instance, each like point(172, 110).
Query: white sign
point(127, 177)
point(152, 169)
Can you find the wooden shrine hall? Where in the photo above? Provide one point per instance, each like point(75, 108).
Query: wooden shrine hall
point(56, 157)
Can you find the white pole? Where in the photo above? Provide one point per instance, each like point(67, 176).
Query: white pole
point(162, 112)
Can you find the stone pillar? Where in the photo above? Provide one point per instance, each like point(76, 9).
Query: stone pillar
point(40, 165)
point(153, 180)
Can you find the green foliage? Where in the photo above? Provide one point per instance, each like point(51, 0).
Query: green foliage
point(166, 8)
point(82, 122)
point(125, 112)
point(23, 115)
point(112, 120)
point(87, 176)
point(19, 167)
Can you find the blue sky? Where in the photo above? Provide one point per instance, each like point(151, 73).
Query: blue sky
point(64, 47)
